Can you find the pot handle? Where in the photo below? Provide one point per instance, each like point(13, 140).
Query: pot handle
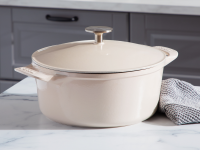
point(170, 53)
point(31, 71)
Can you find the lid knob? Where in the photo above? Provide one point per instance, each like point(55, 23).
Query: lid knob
point(98, 31)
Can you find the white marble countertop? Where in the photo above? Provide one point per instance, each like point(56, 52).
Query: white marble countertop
point(184, 7)
point(22, 127)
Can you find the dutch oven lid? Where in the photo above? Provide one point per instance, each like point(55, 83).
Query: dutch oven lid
point(98, 56)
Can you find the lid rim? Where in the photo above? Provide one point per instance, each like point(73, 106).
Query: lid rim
point(100, 72)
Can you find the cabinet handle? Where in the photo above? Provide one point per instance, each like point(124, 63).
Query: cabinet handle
point(61, 19)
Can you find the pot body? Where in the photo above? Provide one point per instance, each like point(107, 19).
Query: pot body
point(98, 99)
point(100, 102)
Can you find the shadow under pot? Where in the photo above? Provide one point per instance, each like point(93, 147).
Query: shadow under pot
point(98, 83)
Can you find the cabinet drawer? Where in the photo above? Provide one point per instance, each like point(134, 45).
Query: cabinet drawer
point(85, 18)
point(33, 31)
point(119, 21)
point(4, 85)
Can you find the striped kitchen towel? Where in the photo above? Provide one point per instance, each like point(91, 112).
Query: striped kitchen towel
point(180, 101)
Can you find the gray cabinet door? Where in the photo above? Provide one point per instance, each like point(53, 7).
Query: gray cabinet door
point(4, 85)
point(137, 28)
point(6, 71)
point(181, 33)
point(33, 31)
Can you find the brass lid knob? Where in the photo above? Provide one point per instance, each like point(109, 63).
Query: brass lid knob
point(98, 31)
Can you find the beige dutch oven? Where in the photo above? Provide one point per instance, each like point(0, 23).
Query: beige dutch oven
point(98, 83)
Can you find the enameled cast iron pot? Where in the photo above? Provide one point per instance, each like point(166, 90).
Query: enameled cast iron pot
point(98, 83)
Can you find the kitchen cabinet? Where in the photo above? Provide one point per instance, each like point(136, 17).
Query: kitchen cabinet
point(33, 31)
point(5, 43)
point(178, 32)
point(6, 51)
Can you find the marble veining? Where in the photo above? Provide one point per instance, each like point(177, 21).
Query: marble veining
point(185, 7)
point(22, 127)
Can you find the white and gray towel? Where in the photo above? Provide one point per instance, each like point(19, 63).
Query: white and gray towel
point(180, 101)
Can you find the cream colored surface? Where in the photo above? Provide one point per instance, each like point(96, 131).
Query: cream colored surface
point(109, 57)
point(99, 100)
point(100, 103)
point(171, 54)
point(32, 72)
point(45, 74)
